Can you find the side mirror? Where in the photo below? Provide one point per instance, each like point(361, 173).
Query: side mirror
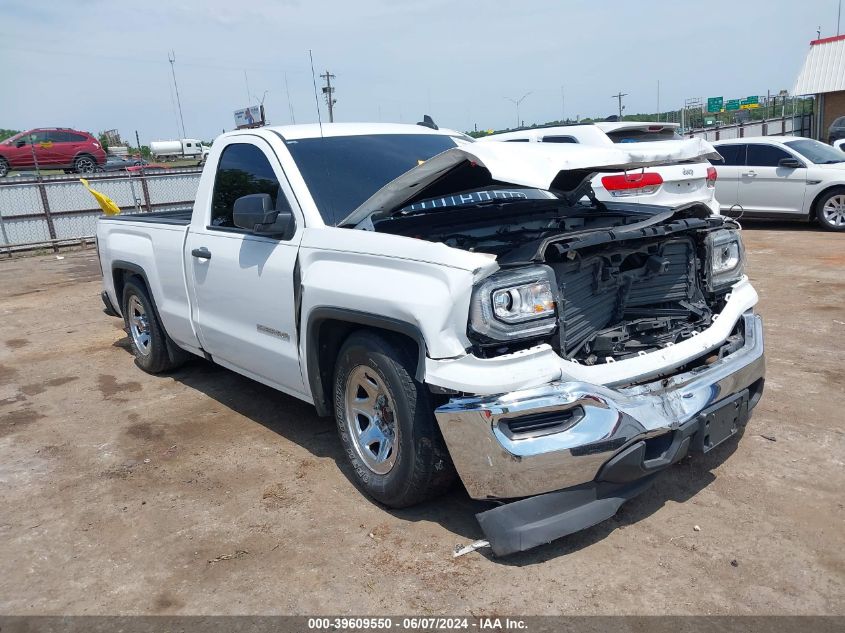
point(790, 163)
point(20, 143)
point(255, 213)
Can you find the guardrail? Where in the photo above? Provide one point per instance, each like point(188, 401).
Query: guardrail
point(51, 211)
point(799, 125)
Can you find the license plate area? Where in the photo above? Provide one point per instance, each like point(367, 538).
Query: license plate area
point(720, 422)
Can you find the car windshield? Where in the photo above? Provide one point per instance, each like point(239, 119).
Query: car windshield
point(816, 152)
point(14, 138)
point(343, 171)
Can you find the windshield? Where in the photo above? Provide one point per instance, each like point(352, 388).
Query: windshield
point(343, 171)
point(816, 152)
point(14, 138)
point(643, 135)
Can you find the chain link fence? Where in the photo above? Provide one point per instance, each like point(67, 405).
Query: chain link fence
point(53, 211)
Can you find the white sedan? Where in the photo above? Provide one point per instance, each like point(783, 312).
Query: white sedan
point(666, 185)
point(782, 177)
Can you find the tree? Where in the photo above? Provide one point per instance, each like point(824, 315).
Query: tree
point(104, 141)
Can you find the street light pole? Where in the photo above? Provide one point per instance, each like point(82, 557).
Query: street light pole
point(516, 102)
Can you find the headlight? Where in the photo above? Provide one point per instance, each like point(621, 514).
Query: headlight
point(726, 256)
point(514, 305)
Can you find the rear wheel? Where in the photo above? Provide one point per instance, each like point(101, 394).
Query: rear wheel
point(149, 342)
point(830, 210)
point(386, 423)
point(84, 164)
point(4, 167)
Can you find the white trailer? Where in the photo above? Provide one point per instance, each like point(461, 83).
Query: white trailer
point(169, 150)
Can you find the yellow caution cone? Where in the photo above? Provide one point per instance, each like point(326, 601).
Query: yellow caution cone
point(108, 205)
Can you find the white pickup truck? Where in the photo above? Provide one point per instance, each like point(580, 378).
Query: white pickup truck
point(458, 308)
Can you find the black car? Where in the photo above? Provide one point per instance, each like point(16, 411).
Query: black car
point(120, 163)
point(837, 130)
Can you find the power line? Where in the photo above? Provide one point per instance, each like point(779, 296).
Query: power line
point(171, 57)
point(328, 93)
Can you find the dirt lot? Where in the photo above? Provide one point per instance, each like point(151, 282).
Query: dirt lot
point(204, 492)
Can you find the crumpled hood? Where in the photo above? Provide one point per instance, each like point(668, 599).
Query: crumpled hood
point(534, 165)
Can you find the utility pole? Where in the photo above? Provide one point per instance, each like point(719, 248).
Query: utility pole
point(328, 93)
point(171, 57)
point(562, 106)
point(290, 105)
point(658, 100)
point(618, 98)
point(516, 102)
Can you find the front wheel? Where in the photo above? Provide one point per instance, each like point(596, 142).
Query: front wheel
point(386, 423)
point(4, 167)
point(830, 210)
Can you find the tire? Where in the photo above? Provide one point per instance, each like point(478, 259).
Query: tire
point(84, 164)
point(148, 340)
point(4, 168)
point(377, 373)
point(830, 210)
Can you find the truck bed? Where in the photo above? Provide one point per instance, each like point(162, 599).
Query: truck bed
point(175, 216)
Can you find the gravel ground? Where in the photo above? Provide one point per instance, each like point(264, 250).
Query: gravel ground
point(203, 492)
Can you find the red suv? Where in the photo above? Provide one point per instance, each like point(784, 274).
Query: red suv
point(51, 148)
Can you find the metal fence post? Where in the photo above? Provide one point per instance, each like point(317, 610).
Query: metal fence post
point(5, 235)
point(45, 204)
point(146, 190)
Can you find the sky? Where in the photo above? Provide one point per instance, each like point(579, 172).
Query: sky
point(101, 64)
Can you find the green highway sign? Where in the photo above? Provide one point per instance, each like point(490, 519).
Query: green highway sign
point(714, 104)
point(732, 104)
point(750, 101)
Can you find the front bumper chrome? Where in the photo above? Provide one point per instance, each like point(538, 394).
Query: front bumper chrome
point(597, 423)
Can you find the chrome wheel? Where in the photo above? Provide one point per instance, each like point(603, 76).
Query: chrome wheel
point(85, 165)
point(4, 168)
point(139, 326)
point(370, 419)
point(834, 210)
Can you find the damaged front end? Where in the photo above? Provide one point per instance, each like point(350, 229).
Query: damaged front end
point(619, 292)
point(611, 340)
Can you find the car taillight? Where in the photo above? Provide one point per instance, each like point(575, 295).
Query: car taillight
point(620, 185)
point(711, 177)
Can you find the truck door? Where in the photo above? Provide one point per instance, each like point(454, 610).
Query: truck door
point(243, 283)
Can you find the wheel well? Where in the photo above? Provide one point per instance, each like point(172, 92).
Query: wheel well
point(88, 154)
point(820, 195)
point(121, 276)
point(326, 336)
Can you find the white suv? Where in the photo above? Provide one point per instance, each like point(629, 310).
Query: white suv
point(667, 185)
point(782, 177)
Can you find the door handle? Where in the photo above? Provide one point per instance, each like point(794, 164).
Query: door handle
point(752, 174)
point(201, 253)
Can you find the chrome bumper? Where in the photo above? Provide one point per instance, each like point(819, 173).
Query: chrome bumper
point(598, 422)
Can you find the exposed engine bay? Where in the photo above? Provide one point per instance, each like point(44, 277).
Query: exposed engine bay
point(625, 281)
point(619, 301)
